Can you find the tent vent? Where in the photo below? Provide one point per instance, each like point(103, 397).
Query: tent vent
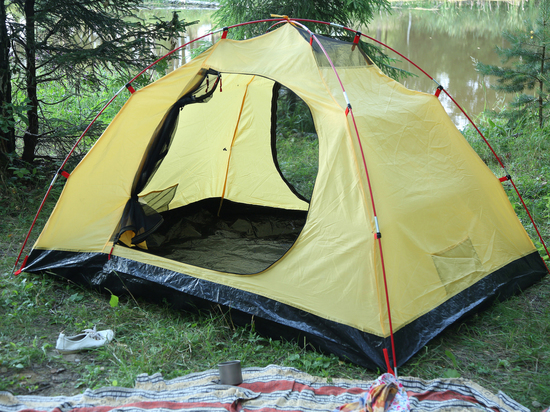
point(458, 267)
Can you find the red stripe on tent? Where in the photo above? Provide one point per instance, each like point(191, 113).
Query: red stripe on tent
point(505, 178)
point(225, 31)
point(130, 88)
point(65, 174)
point(438, 91)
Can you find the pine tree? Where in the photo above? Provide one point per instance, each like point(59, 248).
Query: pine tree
point(7, 122)
point(525, 67)
point(71, 43)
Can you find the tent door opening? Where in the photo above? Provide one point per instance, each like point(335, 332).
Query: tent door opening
point(202, 201)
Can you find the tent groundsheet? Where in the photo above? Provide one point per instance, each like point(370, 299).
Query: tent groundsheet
point(272, 388)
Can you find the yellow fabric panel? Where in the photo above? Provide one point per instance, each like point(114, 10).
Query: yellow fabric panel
point(338, 234)
point(431, 192)
point(282, 55)
point(227, 136)
point(252, 176)
point(95, 194)
point(329, 270)
point(200, 148)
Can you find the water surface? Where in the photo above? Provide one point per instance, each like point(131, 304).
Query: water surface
point(444, 38)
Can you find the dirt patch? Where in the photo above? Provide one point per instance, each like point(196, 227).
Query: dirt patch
point(59, 375)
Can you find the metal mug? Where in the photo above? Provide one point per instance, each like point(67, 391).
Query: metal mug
point(230, 372)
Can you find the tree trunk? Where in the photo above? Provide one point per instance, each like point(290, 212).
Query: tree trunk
point(541, 85)
point(30, 139)
point(7, 127)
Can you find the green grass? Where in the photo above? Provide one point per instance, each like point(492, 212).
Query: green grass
point(150, 338)
point(297, 144)
point(504, 348)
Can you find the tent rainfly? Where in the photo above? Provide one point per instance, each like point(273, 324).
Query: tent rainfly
point(183, 198)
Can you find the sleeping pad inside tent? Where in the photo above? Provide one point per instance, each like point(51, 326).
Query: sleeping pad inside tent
point(183, 197)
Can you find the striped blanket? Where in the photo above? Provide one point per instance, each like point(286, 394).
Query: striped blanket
point(268, 389)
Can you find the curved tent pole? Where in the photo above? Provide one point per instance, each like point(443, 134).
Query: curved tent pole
point(507, 176)
point(377, 235)
point(65, 174)
point(348, 111)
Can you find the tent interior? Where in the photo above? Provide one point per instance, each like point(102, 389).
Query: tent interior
point(234, 237)
point(241, 239)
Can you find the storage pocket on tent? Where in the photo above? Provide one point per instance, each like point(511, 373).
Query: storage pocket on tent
point(458, 266)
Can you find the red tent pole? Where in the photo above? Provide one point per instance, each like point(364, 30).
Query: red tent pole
point(377, 235)
point(60, 171)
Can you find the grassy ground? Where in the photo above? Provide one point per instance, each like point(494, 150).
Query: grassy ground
point(506, 347)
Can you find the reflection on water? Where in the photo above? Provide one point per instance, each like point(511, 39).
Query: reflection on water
point(444, 39)
point(204, 26)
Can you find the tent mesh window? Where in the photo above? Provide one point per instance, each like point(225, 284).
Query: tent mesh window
point(139, 219)
point(341, 53)
point(294, 139)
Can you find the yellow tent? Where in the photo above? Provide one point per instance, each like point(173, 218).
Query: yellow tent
point(401, 202)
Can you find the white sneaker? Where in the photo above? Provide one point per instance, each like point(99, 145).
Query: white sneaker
point(89, 339)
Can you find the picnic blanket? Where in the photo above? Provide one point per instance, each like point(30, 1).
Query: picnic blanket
point(269, 389)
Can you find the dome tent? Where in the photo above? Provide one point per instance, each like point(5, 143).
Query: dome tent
point(407, 230)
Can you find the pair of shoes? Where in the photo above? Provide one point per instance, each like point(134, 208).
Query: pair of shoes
point(88, 339)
